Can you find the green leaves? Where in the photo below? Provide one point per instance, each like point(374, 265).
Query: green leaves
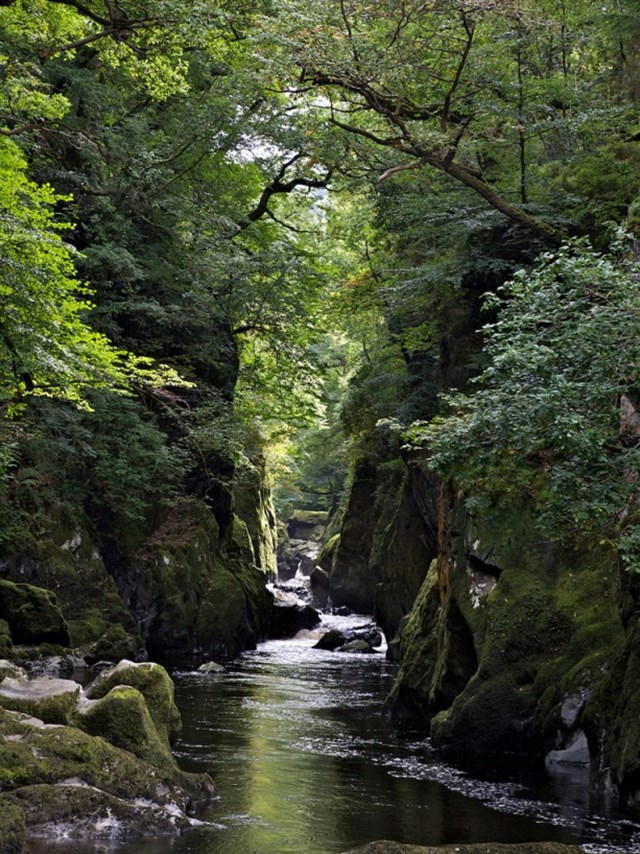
point(554, 416)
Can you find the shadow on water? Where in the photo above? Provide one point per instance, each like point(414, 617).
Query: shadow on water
point(306, 764)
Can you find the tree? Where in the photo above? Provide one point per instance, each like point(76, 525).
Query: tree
point(484, 93)
point(46, 347)
point(554, 419)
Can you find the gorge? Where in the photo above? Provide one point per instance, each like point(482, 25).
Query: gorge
point(330, 294)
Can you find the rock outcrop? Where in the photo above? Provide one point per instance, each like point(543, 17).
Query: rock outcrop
point(387, 541)
point(93, 764)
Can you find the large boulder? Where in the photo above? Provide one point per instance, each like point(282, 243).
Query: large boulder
point(123, 717)
point(61, 776)
point(99, 765)
point(32, 615)
point(153, 683)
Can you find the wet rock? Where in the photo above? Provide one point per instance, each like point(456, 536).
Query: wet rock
point(356, 645)
point(342, 611)
point(32, 614)
point(211, 668)
point(289, 619)
point(331, 640)
point(80, 812)
point(371, 634)
point(575, 753)
point(52, 700)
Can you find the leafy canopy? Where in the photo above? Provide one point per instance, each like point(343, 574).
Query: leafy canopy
point(554, 417)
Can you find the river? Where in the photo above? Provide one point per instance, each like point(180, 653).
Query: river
point(306, 764)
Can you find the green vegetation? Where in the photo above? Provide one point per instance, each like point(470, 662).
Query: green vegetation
point(380, 258)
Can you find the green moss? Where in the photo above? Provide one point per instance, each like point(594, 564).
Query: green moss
point(122, 717)
point(32, 755)
point(223, 614)
point(33, 614)
point(12, 828)
point(154, 683)
point(51, 700)
point(325, 557)
point(6, 642)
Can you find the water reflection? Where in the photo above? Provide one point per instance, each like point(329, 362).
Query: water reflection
point(305, 763)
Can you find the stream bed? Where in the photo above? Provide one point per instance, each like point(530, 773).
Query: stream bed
point(306, 764)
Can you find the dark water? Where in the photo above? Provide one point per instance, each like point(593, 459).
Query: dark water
point(306, 764)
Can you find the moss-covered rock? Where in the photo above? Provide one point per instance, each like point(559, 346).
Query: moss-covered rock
point(122, 717)
point(254, 507)
point(12, 828)
point(37, 758)
point(493, 648)
point(52, 700)
point(235, 612)
point(114, 645)
point(6, 641)
point(32, 614)
point(307, 524)
point(154, 684)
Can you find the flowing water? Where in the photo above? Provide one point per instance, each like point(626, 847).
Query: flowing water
point(306, 764)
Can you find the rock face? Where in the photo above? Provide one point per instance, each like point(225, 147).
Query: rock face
point(513, 644)
point(58, 775)
point(505, 642)
point(32, 615)
point(386, 543)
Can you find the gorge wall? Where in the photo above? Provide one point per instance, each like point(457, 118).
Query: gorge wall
point(512, 644)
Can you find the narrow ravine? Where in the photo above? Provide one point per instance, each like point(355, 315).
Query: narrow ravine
point(305, 762)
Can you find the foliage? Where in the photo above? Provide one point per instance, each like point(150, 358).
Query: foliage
point(553, 417)
point(46, 347)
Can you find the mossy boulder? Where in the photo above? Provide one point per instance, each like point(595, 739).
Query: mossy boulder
point(32, 614)
point(45, 771)
point(114, 644)
point(154, 684)
point(52, 700)
point(12, 828)
point(122, 717)
point(307, 524)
